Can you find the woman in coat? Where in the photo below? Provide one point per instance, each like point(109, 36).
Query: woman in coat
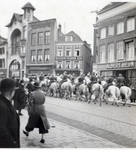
point(37, 113)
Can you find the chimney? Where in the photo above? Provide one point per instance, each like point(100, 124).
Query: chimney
point(59, 31)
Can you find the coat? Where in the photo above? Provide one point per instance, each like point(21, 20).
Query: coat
point(36, 109)
point(20, 98)
point(9, 125)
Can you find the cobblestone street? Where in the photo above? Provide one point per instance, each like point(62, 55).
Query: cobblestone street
point(76, 124)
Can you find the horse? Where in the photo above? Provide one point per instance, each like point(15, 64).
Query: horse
point(65, 90)
point(82, 90)
point(112, 92)
point(125, 93)
point(96, 93)
point(54, 89)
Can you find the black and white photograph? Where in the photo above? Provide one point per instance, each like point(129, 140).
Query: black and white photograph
point(67, 74)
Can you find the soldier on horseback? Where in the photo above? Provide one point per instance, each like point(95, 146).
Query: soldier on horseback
point(109, 82)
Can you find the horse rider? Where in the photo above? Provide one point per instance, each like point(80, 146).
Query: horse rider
point(121, 81)
point(80, 81)
point(73, 77)
point(93, 79)
point(109, 82)
point(52, 79)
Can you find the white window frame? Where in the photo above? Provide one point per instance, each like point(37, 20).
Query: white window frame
point(46, 56)
point(76, 64)
point(33, 57)
point(76, 49)
point(111, 52)
point(59, 51)
point(103, 33)
point(59, 63)
point(68, 48)
point(68, 64)
point(40, 57)
point(102, 53)
point(111, 30)
point(120, 52)
point(120, 28)
point(130, 50)
point(131, 24)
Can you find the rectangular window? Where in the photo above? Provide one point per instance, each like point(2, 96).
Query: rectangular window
point(76, 65)
point(40, 38)
point(33, 56)
point(2, 63)
point(69, 38)
point(102, 53)
point(68, 51)
point(46, 55)
point(111, 52)
point(40, 58)
point(33, 38)
point(59, 51)
point(77, 51)
point(131, 24)
point(111, 30)
point(130, 50)
point(2, 50)
point(47, 37)
point(68, 64)
point(59, 65)
point(120, 50)
point(103, 33)
point(120, 28)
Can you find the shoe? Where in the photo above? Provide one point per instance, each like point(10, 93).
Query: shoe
point(42, 141)
point(26, 133)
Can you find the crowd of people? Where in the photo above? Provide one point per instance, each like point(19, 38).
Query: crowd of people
point(18, 94)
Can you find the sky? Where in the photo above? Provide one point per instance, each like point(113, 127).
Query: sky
point(73, 15)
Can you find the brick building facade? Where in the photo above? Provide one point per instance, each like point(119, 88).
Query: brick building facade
point(115, 51)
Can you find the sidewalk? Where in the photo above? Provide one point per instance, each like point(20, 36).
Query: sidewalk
point(62, 136)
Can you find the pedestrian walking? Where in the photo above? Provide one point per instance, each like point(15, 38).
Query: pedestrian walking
point(20, 98)
point(37, 114)
point(9, 119)
point(133, 89)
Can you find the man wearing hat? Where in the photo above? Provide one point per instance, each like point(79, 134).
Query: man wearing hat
point(9, 119)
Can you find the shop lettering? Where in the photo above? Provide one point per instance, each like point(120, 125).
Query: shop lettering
point(120, 65)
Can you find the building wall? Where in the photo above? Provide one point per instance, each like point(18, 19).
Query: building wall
point(36, 28)
point(124, 66)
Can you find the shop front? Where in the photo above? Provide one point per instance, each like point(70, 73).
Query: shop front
point(127, 69)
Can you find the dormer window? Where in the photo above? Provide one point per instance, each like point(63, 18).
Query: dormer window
point(69, 38)
point(28, 10)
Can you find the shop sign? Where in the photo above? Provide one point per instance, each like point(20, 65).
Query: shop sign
point(68, 58)
point(121, 65)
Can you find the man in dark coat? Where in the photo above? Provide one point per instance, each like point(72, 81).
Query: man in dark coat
point(9, 119)
point(121, 81)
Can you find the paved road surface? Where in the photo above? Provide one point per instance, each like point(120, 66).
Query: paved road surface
point(76, 124)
